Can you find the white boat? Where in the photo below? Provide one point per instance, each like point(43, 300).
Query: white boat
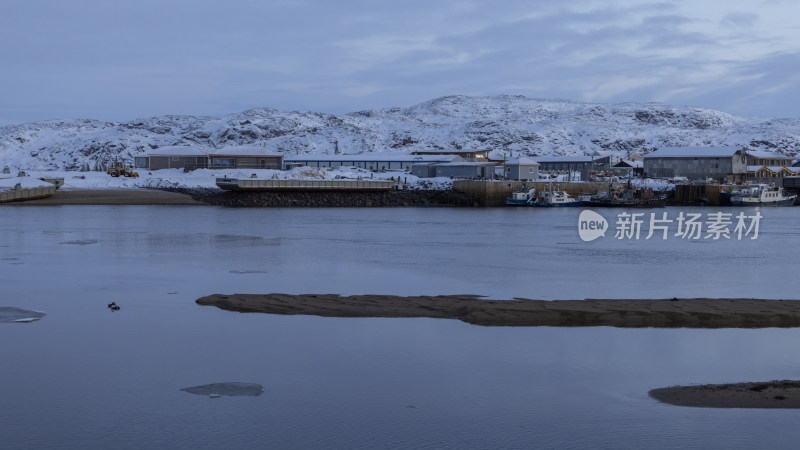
point(521, 198)
point(555, 198)
point(762, 195)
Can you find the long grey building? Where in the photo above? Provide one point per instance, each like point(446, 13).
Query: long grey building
point(369, 161)
point(173, 157)
point(719, 163)
point(466, 169)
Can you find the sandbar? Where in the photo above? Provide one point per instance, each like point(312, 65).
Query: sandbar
point(769, 394)
point(136, 196)
point(626, 313)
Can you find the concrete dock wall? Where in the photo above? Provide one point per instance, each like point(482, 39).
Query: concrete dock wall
point(20, 194)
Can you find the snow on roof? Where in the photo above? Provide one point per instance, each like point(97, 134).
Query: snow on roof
point(467, 163)
point(177, 150)
point(435, 151)
point(522, 161)
point(767, 155)
point(573, 158)
point(374, 157)
point(632, 164)
point(693, 152)
point(245, 150)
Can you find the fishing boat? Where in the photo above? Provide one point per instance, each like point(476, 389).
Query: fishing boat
point(762, 195)
point(629, 197)
point(555, 198)
point(521, 198)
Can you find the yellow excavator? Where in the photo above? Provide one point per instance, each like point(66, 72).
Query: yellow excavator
point(118, 169)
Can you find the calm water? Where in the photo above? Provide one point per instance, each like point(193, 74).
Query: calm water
point(87, 377)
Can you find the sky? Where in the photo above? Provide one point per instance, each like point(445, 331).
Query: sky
point(118, 61)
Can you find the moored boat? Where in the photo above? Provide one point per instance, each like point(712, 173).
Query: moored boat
point(555, 198)
point(762, 195)
point(521, 198)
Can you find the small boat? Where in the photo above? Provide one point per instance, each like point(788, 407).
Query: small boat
point(555, 198)
point(762, 195)
point(629, 198)
point(521, 198)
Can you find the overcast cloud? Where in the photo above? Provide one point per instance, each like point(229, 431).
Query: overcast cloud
point(111, 60)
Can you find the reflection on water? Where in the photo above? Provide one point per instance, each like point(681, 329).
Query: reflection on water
point(87, 377)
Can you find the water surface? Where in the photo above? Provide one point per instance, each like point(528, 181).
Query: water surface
point(84, 376)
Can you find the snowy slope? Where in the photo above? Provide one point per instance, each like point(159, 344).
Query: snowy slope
point(509, 125)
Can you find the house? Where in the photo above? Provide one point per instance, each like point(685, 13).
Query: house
point(370, 161)
point(719, 163)
point(173, 157)
point(521, 168)
point(245, 157)
point(588, 166)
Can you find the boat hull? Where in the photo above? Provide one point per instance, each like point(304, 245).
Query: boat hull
point(744, 202)
point(557, 205)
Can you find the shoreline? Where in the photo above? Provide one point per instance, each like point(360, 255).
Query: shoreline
point(623, 313)
point(243, 199)
point(111, 197)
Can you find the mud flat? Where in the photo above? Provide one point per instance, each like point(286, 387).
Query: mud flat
point(770, 394)
point(628, 313)
point(112, 197)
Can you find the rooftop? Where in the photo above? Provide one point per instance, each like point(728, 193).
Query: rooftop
point(521, 160)
point(693, 152)
point(374, 157)
point(177, 150)
point(245, 150)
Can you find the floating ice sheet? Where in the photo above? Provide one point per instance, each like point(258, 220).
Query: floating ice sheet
point(230, 389)
point(11, 314)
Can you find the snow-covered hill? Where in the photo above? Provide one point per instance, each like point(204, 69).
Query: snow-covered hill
point(509, 125)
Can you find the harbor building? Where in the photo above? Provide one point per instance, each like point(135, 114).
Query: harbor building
point(521, 168)
point(245, 157)
point(369, 161)
point(723, 164)
point(173, 157)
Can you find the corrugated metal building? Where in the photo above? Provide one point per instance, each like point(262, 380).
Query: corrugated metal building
point(245, 157)
point(370, 161)
point(719, 163)
point(521, 169)
point(173, 157)
point(466, 169)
